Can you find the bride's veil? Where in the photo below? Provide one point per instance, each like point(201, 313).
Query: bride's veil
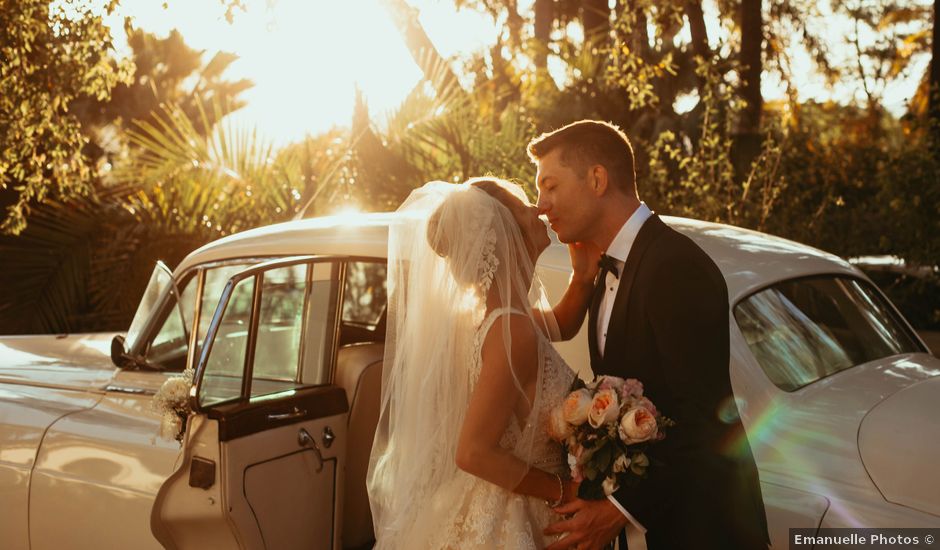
point(455, 254)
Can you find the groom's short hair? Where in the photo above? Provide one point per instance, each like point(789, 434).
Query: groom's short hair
point(588, 142)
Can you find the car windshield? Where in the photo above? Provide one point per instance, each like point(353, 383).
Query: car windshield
point(160, 281)
point(805, 329)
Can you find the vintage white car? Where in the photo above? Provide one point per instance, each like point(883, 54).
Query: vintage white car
point(285, 324)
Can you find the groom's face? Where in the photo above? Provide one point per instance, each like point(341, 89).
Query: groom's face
point(565, 197)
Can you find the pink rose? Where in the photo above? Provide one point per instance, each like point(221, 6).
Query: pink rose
point(604, 408)
point(631, 388)
point(576, 407)
point(648, 405)
point(637, 425)
point(610, 383)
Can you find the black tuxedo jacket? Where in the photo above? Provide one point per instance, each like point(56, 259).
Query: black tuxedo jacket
point(669, 329)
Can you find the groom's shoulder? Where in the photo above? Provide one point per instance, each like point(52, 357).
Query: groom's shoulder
point(675, 251)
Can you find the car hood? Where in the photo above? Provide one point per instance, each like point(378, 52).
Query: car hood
point(78, 361)
point(899, 441)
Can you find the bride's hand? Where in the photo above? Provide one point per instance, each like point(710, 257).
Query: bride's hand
point(584, 259)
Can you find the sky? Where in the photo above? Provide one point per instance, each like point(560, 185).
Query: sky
point(306, 57)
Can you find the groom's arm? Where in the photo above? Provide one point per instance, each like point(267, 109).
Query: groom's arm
point(687, 312)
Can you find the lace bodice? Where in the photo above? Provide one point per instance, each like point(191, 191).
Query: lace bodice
point(555, 379)
point(477, 514)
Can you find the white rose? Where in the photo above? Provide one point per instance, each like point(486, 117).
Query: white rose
point(577, 406)
point(621, 464)
point(639, 464)
point(604, 408)
point(610, 485)
point(637, 425)
point(558, 428)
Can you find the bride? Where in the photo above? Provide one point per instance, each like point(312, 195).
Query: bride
point(461, 457)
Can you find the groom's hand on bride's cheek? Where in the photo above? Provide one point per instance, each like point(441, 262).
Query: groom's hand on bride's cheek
point(594, 523)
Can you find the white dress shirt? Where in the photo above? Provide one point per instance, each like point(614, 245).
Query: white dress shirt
point(619, 249)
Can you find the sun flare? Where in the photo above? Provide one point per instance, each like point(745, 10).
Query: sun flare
point(308, 57)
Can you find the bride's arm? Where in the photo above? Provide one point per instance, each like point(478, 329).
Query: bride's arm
point(495, 399)
point(569, 312)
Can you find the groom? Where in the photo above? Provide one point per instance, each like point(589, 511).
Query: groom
point(659, 314)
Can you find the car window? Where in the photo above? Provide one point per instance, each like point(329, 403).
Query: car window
point(170, 343)
point(280, 324)
point(294, 327)
point(224, 370)
point(160, 281)
point(918, 297)
point(806, 329)
point(167, 345)
point(216, 278)
point(364, 297)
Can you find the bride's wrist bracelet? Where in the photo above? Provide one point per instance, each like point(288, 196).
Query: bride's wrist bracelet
point(561, 493)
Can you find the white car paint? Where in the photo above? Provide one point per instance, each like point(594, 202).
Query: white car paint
point(80, 454)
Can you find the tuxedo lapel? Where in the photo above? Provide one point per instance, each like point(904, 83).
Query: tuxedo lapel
point(615, 350)
point(592, 322)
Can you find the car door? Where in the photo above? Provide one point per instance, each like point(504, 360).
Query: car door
point(262, 463)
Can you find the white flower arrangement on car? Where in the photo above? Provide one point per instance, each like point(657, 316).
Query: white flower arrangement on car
point(606, 427)
point(172, 402)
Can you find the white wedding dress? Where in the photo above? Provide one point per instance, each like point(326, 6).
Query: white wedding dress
point(458, 260)
point(483, 515)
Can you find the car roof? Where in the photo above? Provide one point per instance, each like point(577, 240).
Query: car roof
point(749, 260)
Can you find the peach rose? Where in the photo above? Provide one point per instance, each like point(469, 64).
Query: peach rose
point(637, 425)
point(604, 408)
point(558, 428)
point(576, 407)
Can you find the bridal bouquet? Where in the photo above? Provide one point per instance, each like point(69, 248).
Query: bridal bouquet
point(172, 402)
point(606, 426)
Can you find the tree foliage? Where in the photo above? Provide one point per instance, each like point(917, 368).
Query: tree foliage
point(51, 54)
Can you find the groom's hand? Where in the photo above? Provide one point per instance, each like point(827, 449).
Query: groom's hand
point(594, 525)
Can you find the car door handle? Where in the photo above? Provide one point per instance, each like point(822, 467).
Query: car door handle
point(296, 413)
point(304, 439)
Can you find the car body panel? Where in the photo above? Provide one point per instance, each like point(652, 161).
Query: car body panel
point(100, 467)
point(899, 439)
point(25, 414)
point(76, 362)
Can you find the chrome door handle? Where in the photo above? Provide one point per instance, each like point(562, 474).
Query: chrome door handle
point(328, 437)
point(305, 440)
point(296, 413)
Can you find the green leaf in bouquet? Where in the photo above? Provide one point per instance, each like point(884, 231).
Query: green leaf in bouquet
point(603, 458)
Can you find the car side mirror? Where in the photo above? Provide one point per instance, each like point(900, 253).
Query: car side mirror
point(119, 355)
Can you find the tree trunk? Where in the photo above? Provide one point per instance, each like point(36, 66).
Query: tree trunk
point(544, 17)
point(696, 16)
point(751, 48)
point(422, 50)
point(595, 18)
point(747, 142)
point(933, 88)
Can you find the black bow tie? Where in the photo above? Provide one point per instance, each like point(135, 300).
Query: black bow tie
point(608, 265)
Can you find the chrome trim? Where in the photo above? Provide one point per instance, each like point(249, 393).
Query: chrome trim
point(296, 413)
point(337, 305)
point(304, 439)
point(197, 312)
point(248, 368)
point(301, 357)
point(125, 389)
